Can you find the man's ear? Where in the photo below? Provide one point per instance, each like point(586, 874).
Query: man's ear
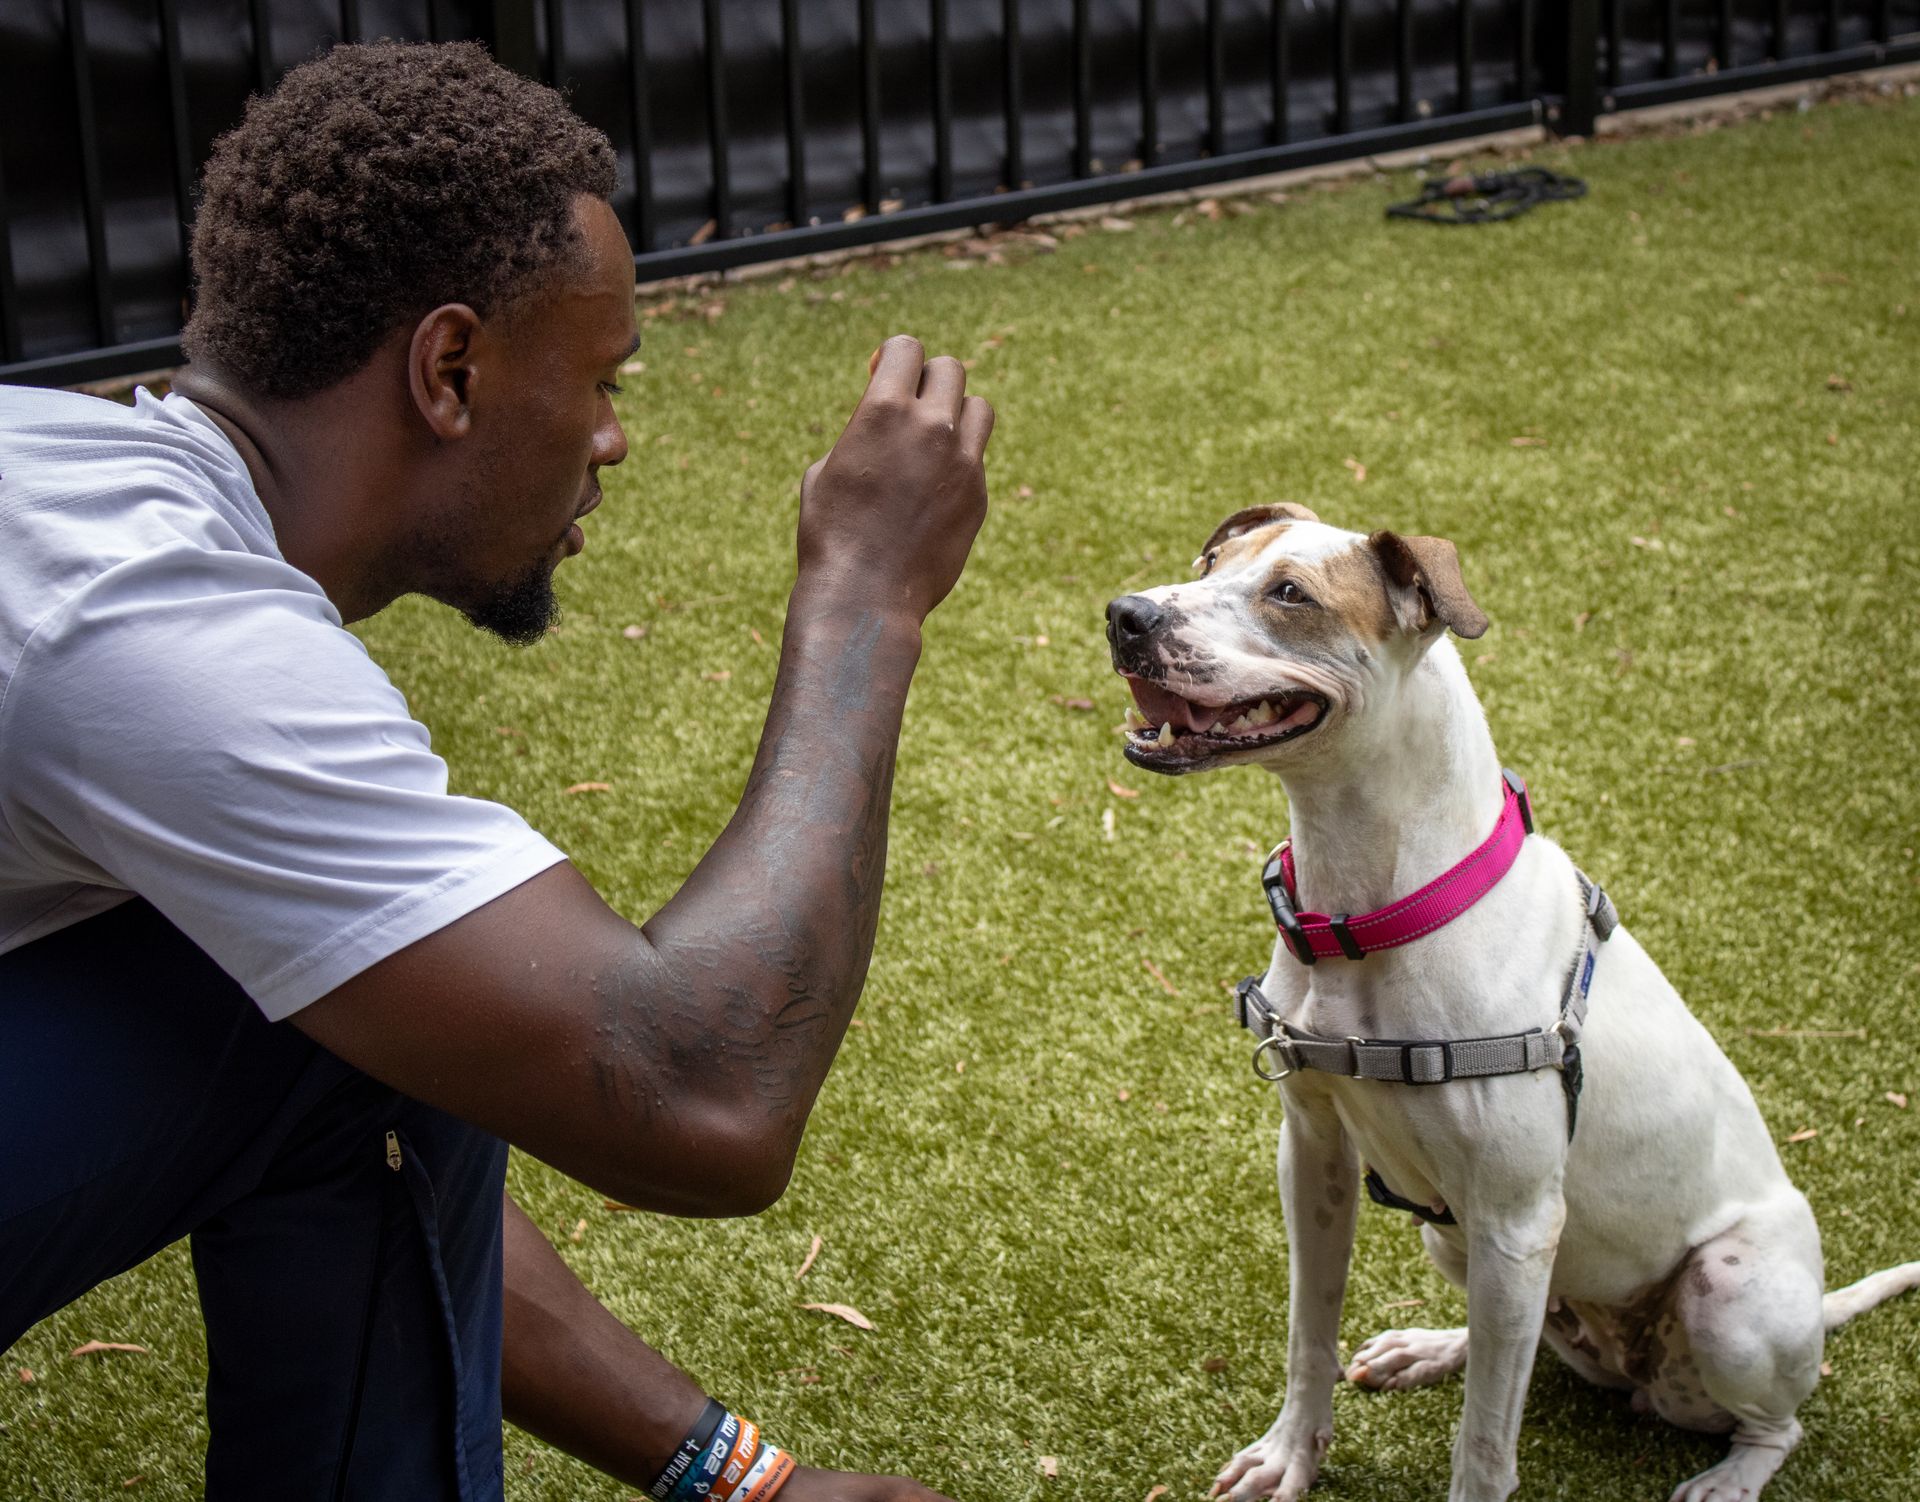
point(1242, 522)
point(1431, 568)
point(442, 368)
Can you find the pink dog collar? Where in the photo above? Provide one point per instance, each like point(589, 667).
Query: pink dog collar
point(1324, 936)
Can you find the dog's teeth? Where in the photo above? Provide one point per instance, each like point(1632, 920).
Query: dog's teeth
point(1263, 714)
point(1241, 723)
point(1214, 728)
point(1135, 718)
point(1165, 737)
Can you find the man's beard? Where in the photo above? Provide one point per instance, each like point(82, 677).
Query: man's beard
point(522, 610)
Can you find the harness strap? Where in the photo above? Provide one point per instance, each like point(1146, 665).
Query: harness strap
point(1435, 1061)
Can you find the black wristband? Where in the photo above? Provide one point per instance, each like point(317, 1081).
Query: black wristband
point(698, 1438)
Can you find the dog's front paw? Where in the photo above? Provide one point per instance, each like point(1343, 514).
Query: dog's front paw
point(1281, 1464)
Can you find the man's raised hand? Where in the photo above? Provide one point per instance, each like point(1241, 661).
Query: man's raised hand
point(887, 518)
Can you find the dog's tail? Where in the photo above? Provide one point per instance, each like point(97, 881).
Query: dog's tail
point(1876, 1288)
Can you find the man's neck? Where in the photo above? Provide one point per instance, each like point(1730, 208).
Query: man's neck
point(322, 470)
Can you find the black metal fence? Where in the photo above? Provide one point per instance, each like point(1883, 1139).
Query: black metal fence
point(754, 129)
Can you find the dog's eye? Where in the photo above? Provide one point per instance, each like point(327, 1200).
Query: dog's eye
point(1290, 593)
point(1208, 561)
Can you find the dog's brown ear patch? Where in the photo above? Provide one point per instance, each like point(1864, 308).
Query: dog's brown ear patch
point(1255, 516)
point(1432, 566)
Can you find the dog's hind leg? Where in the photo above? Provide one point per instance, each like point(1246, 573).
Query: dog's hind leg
point(1319, 1191)
point(1749, 1307)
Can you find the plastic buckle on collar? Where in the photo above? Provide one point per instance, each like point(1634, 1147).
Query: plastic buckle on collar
point(1519, 787)
point(1273, 880)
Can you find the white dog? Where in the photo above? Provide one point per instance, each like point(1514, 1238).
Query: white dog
point(1589, 1164)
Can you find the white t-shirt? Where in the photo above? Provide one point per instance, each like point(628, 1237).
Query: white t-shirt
point(183, 717)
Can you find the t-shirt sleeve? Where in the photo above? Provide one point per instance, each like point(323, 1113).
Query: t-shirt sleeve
point(199, 729)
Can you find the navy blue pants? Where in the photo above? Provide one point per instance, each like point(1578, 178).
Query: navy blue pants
point(346, 1239)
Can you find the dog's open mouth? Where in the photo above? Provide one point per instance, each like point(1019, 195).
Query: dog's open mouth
point(1179, 733)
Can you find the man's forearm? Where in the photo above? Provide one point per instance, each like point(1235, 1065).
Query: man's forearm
point(764, 950)
point(575, 1376)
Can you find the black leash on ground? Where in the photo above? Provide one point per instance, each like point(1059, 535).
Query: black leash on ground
point(1487, 197)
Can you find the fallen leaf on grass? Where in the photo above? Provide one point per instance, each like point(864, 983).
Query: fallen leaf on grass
point(588, 787)
point(843, 1311)
point(1807, 1032)
point(616, 1205)
point(1359, 469)
point(805, 1375)
point(579, 1231)
point(1826, 1368)
point(1404, 1304)
point(94, 1347)
point(1214, 1364)
point(1528, 443)
point(1050, 1467)
point(807, 1266)
point(1160, 1491)
point(26, 1374)
point(1159, 975)
point(1898, 1098)
point(1839, 383)
point(1106, 823)
point(633, 633)
point(133, 1481)
point(1806, 1134)
point(1065, 703)
point(1580, 620)
point(719, 675)
point(1121, 792)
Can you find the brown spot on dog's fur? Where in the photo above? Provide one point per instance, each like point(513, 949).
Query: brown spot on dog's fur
point(1432, 566)
point(1252, 519)
point(1336, 1194)
point(1323, 1218)
point(1731, 1261)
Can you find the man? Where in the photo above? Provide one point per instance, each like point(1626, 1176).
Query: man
point(262, 980)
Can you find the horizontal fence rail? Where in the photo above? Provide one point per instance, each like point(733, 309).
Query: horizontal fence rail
point(750, 130)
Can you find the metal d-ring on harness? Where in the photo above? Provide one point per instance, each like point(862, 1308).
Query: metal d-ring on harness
point(1284, 1049)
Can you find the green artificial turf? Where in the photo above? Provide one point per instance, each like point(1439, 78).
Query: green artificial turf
point(1045, 1179)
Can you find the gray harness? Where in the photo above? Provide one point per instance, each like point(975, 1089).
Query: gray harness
point(1284, 1049)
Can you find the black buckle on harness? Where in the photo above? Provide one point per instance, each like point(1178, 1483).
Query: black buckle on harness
point(1249, 1002)
point(1349, 945)
point(1513, 780)
point(1273, 880)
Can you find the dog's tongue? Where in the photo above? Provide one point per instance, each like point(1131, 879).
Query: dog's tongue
point(1165, 708)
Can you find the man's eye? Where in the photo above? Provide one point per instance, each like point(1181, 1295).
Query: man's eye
point(1290, 593)
point(612, 388)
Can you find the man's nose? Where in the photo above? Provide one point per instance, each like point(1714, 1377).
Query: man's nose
point(1131, 617)
point(610, 443)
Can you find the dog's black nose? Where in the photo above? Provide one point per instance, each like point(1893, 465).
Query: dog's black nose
point(1131, 617)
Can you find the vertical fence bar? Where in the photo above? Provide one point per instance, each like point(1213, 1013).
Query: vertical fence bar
point(437, 31)
point(1342, 67)
point(1830, 28)
point(174, 66)
point(1723, 35)
point(9, 299)
point(349, 20)
point(1010, 92)
point(1280, 69)
point(1573, 58)
point(1523, 69)
point(91, 199)
point(715, 40)
point(1149, 82)
point(1613, 44)
point(869, 107)
point(1779, 41)
point(1463, 55)
point(1883, 20)
point(1670, 39)
point(510, 30)
point(1403, 61)
point(796, 114)
point(640, 107)
point(557, 43)
point(942, 104)
point(1216, 93)
point(1082, 92)
point(260, 20)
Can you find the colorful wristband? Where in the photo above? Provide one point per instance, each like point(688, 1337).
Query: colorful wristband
point(771, 1472)
point(690, 1450)
point(698, 1483)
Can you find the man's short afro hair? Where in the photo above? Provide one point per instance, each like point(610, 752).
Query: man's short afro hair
point(373, 185)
